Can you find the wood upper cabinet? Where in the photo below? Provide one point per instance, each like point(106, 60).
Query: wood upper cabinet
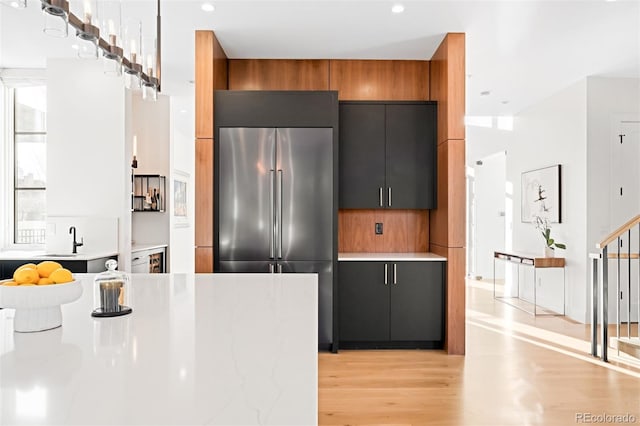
point(388, 155)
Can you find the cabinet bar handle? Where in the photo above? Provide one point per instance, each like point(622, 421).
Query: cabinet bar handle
point(389, 196)
point(395, 276)
point(271, 268)
point(385, 274)
point(381, 200)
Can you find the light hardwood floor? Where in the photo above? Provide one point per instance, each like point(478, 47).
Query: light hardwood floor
point(519, 370)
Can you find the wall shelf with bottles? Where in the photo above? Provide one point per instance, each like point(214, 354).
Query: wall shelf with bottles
point(149, 193)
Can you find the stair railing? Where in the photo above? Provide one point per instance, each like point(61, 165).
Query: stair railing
point(600, 275)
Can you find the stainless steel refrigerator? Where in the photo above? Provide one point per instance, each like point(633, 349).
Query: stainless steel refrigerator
point(275, 206)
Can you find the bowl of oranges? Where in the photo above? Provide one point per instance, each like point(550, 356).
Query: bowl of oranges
point(36, 292)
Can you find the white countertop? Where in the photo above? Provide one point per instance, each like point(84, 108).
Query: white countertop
point(43, 255)
point(214, 349)
point(372, 257)
point(142, 247)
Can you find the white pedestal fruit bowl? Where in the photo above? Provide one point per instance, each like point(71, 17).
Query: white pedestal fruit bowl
point(38, 306)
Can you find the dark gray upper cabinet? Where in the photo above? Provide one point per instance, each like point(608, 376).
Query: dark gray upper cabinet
point(388, 155)
point(362, 159)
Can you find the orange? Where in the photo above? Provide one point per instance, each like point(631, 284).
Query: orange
point(26, 265)
point(26, 276)
point(46, 267)
point(45, 281)
point(10, 283)
point(61, 275)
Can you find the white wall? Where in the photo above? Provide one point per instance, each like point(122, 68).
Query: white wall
point(86, 164)
point(182, 258)
point(554, 131)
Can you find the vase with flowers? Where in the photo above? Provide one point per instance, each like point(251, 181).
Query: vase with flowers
point(542, 225)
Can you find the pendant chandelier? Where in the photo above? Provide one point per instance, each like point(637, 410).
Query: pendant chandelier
point(100, 30)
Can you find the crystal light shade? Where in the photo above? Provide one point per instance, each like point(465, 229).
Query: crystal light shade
point(56, 13)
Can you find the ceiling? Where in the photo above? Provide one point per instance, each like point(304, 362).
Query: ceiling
point(519, 51)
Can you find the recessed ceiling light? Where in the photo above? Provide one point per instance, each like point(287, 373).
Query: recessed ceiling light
point(208, 7)
point(397, 8)
point(505, 102)
point(485, 93)
point(75, 47)
point(183, 111)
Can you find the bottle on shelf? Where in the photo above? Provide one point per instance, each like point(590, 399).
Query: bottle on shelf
point(154, 200)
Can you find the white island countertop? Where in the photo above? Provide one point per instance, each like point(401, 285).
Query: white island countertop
point(198, 349)
point(43, 255)
point(390, 257)
point(150, 246)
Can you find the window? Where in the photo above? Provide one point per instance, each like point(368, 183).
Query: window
point(29, 164)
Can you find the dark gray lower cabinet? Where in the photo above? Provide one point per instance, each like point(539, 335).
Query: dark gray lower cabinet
point(391, 304)
point(7, 267)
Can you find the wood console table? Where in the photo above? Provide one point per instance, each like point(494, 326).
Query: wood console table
point(536, 263)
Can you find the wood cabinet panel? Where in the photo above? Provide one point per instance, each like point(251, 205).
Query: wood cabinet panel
point(204, 84)
point(210, 75)
point(447, 222)
point(439, 218)
point(356, 231)
point(278, 74)
point(447, 79)
point(456, 301)
point(204, 260)
point(380, 80)
point(204, 193)
point(403, 231)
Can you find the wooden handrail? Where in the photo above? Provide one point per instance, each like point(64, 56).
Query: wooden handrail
point(618, 232)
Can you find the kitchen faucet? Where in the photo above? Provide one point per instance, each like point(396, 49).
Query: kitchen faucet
point(75, 244)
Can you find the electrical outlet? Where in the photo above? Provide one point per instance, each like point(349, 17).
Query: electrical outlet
point(378, 228)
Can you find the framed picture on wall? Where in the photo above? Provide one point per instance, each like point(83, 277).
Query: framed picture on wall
point(180, 197)
point(541, 194)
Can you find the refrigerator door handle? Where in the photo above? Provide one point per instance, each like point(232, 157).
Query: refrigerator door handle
point(279, 217)
point(272, 239)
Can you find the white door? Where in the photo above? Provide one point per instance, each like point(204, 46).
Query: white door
point(624, 205)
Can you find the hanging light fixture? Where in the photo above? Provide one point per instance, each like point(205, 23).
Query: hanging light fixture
point(112, 24)
point(56, 14)
point(122, 49)
point(87, 33)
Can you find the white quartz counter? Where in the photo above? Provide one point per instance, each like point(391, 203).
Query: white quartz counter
point(214, 349)
point(383, 257)
point(43, 255)
point(143, 247)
